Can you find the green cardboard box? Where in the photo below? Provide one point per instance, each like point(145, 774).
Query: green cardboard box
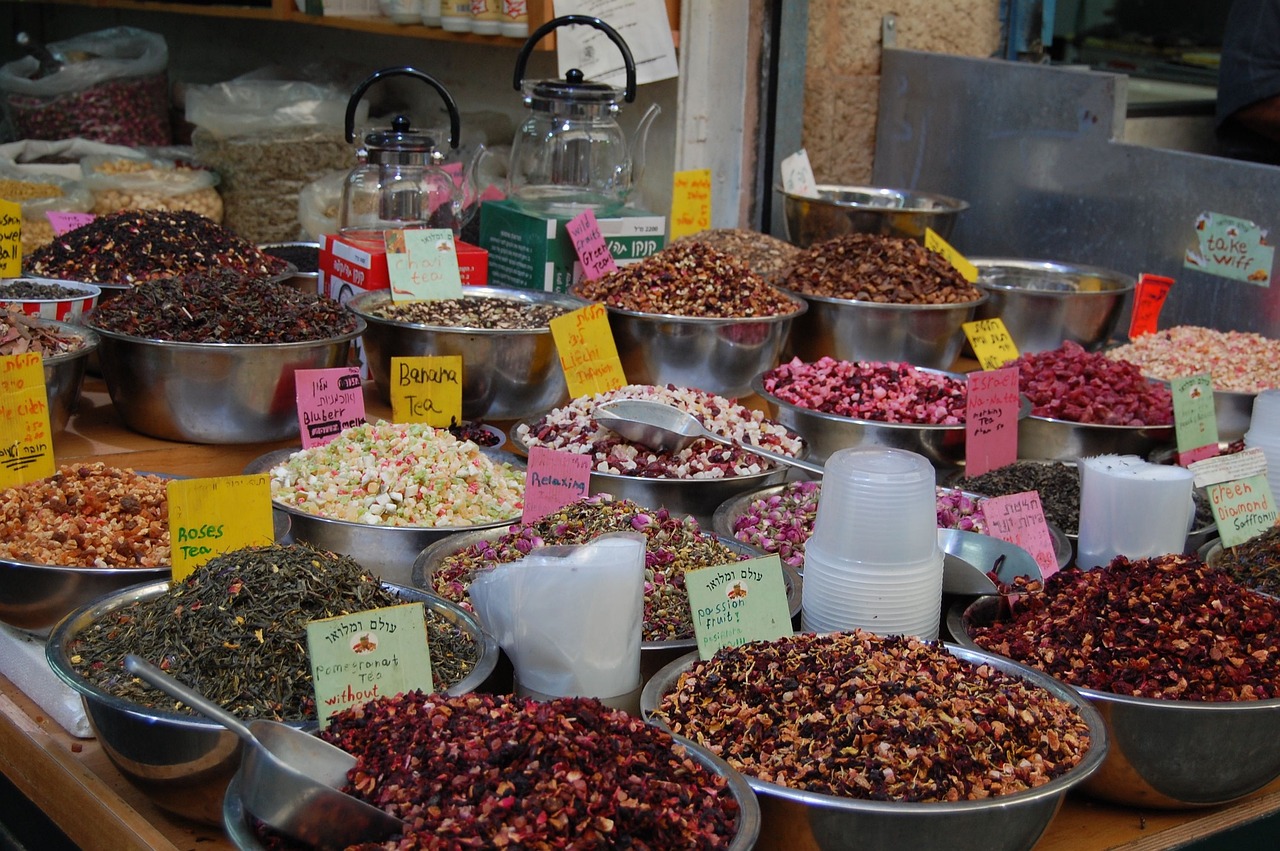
point(535, 253)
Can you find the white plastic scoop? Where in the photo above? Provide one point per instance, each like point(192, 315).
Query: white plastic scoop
point(661, 426)
point(289, 779)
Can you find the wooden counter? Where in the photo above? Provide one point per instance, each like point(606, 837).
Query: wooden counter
point(74, 782)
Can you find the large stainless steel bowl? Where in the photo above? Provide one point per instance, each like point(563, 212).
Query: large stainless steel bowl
point(1049, 439)
point(1043, 304)
point(925, 335)
point(716, 355)
point(832, 823)
point(839, 210)
point(184, 762)
point(1167, 753)
point(506, 374)
point(64, 375)
point(212, 392)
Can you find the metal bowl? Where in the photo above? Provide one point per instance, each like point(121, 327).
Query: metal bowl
point(1043, 304)
point(924, 335)
point(64, 374)
point(212, 392)
point(68, 309)
point(839, 210)
point(832, 823)
point(387, 552)
point(303, 281)
point(715, 355)
point(506, 374)
point(184, 762)
point(241, 827)
point(1168, 754)
point(1048, 439)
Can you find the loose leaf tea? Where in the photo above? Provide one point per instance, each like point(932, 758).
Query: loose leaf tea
point(1255, 563)
point(1058, 484)
point(235, 630)
point(504, 314)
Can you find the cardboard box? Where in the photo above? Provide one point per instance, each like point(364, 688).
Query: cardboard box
point(535, 253)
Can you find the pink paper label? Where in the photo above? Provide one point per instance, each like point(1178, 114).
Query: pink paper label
point(63, 222)
point(991, 420)
point(329, 400)
point(553, 480)
point(1019, 519)
point(584, 232)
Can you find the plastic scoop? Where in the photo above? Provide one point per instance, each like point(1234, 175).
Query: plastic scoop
point(290, 779)
point(660, 426)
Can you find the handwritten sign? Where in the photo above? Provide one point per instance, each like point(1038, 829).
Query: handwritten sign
point(584, 233)
point(1195, 421)
point(797, 175)
point(690, 202)
point(1231, 248)
point(63, 222)
point(587, 351)
point(991, 342)
point(217, 515)
point(422, 263)
point(10, 239)
point(553, 480)
point(26, 438)
point(362, 656)
point(738, 602)
point(1019, 519)
point(1148, 300)
point(329, 401)
point(991, 420)
point(1226, 468)
point(1242, 509)
point(427, 389)
point(936, 243)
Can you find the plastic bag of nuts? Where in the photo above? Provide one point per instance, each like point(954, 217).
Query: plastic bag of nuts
point(38, 195)
point(142, 183)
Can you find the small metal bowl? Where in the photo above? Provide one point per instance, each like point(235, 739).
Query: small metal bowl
point(839, 210)
point(64, 374)
point(68, 309)
point(183, 763)
point(924, 335)
point(1049, 439)
point(1044, 304)
point(506, 374)
point(305, 280)
point(212, 392)
point(1011, 822)
point(1167, 754)
point(715, 355)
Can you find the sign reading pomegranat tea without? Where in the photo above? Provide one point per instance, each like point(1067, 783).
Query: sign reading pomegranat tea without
point(329, 402)
point(427, 389)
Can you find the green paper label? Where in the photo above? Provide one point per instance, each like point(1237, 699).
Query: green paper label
point(1194, 419)
point(1231, 248)
point(1243, 508)
point(738, 602)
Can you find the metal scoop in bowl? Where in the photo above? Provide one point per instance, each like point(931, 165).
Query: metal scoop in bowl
point(289, 779)
point(661, 426)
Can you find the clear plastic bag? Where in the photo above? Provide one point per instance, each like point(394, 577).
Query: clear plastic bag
point(150, 183)
point(37, 195)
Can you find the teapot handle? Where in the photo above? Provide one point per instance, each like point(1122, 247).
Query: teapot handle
point(403, 71)
point(587, 20)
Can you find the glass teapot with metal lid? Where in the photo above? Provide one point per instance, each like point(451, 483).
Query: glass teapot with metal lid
point(571, 155)
point(401, 181)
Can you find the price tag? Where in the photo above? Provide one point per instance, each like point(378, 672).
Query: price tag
point(991, 420)
point(26, 438)
point(422, 263)
point(588, 353)
point(553, 480)
point(217, 515)
point(933, 242)
point(991, 342)
point(1242, 509)
point(690, 202)
point(1225, 468)
point(593, 252)
point(10, 239)
point(1019, 519)
point(63, 222)
point(739, 602)
point(362, 656)
point(427, 389)
point(797, 175)
point(1148, 299)
point(1194, 418)
point(329, 401)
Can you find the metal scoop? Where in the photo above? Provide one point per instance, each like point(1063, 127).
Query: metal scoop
point(290, 779)
point(660, 426)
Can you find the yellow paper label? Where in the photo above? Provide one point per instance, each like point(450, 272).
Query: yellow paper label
point(427, 389)
point(26, 439)
point(217, 515)
point(10, 239)
point(690, 202)
point(933, 242)
point(588, 353)
point(991, 342)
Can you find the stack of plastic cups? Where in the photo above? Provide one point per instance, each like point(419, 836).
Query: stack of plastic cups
point(873, 561)
point(1264, 434)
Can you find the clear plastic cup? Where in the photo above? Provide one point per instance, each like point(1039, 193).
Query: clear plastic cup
point(1266, 413)
point(877, 505)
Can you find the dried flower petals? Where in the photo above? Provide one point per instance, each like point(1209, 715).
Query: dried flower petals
point(1237, 361)
point(20, 333)
point(883, 391)
point(884, 269)
point(1069, 383)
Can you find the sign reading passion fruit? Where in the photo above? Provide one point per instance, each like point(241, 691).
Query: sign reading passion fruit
point(427, 389)
point(738, 602)
point(217, 515)
point(26, 440)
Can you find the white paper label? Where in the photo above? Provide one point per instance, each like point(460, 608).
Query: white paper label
point(797, 175)
point(642, 24)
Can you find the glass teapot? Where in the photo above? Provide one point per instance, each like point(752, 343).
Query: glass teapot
point(401, 181)
point(571, 155)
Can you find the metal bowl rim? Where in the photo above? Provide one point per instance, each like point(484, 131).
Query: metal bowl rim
point(891, 307)
point(566, 300)
point(1100, 426)
point(1108, 276)
point(799, 309)
point(227, 347)
point(951, 204)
